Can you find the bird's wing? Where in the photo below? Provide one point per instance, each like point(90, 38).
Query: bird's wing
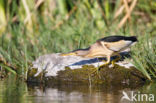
point(118, 46)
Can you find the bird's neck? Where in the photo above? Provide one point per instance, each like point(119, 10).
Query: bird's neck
point(82, 53)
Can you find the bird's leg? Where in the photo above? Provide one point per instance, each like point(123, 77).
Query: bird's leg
point(106, 63)
point(118, 58)
point(72, 53)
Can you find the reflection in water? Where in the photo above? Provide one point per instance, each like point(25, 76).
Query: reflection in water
point(70, 94)
point(13, 91)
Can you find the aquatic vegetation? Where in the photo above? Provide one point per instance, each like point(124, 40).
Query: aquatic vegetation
point(144, 59)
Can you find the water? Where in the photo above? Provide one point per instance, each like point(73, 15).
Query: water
point(16, 91)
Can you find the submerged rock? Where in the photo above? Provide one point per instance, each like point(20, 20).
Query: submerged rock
point(54, 69)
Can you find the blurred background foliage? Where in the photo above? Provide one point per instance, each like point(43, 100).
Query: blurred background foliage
point(30, 28)
point(103, 13)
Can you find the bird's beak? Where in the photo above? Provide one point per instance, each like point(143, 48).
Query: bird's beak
point(68, 54)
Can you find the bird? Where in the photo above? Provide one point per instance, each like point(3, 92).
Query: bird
point(106, 47)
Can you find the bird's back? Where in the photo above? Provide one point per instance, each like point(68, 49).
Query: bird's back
point(118, 38)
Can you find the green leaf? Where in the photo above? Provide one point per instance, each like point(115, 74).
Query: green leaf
point(8, 68)
point(141, 68)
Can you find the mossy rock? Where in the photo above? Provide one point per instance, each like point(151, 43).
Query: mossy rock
point(55, 69)
point(116, 75)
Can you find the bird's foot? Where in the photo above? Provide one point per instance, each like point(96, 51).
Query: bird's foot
point(98, 69)
point(113, 61)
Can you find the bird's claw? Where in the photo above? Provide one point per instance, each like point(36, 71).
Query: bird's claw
point(113, 61)
point(98, 69)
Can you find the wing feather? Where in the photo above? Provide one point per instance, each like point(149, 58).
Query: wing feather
point(118, 46)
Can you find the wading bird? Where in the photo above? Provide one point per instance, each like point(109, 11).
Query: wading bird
point(106, 47)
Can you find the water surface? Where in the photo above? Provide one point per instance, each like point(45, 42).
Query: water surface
point(16, 91)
